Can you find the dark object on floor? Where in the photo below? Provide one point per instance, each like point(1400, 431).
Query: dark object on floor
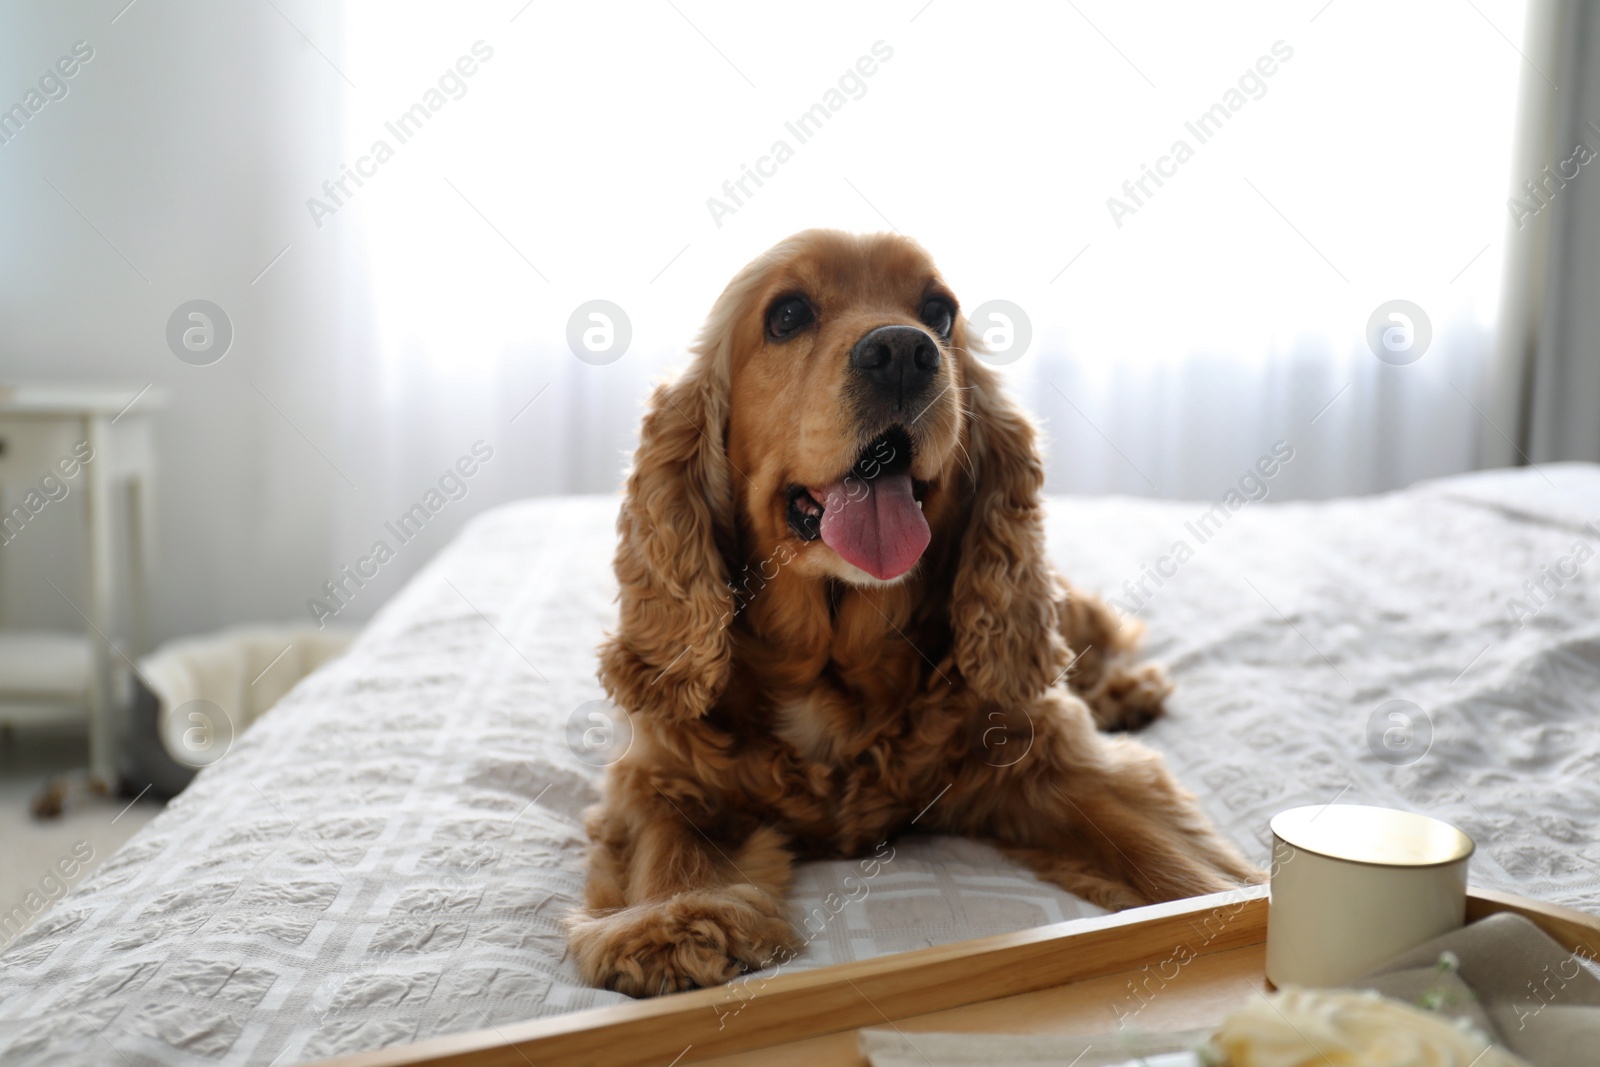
point(147, 768)
point(64, 791)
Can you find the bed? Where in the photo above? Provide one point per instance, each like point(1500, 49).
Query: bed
point(387, 855)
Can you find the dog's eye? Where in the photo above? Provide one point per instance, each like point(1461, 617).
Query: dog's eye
point(938, 316)
point(787, 316)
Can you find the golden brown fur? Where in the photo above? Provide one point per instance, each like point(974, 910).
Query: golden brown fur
point(786, 705)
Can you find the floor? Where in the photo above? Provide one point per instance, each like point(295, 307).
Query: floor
point(31, 849)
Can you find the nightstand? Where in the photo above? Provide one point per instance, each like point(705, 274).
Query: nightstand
point(59, 442)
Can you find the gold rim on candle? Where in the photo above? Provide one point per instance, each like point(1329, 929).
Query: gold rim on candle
point(1375, 837)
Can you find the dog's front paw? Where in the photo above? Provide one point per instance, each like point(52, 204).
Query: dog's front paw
point(1130, 698)
point(695, 939)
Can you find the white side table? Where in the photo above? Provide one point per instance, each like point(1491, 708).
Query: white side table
point(44, 431)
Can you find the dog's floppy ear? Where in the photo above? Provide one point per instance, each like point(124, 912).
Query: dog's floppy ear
point(1008, 645)
point(669, 655)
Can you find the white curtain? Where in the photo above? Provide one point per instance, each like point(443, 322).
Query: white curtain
point(1335, 157)
point(382, 330)
point(1546, 383)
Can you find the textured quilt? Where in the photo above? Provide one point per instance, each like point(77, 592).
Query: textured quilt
point(387, 855)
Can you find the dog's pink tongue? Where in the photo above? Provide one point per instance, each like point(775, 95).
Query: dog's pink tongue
point(876, 525)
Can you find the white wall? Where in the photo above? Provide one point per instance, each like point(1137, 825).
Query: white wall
point(170, 142)
point(188, 141)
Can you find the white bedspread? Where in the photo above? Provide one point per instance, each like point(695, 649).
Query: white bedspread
point(387, 854)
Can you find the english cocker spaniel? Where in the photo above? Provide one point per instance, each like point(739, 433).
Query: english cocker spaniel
point(837, 618)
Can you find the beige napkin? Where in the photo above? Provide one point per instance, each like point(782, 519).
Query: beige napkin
point(1519, 987)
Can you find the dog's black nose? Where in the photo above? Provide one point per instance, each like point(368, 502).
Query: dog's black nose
point(898, 360)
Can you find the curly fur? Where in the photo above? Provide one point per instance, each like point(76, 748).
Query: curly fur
point(785, 706)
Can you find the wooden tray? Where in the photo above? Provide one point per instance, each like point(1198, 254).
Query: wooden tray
point(1171, 966)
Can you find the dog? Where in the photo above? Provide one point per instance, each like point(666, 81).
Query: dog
point(837, 618)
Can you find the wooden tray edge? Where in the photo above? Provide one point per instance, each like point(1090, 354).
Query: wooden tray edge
point(753, 1014)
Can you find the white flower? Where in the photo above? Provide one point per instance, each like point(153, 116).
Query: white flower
point(1335, 1028)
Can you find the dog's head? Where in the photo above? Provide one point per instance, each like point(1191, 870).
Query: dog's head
point(845, 415)
point(833, 424)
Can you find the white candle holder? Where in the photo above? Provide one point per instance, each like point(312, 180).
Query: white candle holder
point(1353, 886)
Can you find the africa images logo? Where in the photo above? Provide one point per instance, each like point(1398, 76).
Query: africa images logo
point(451, 85)
point(1205, 126)
point(199, 332)
point(805, 126)
point(52, 87)
point(1399, 332)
